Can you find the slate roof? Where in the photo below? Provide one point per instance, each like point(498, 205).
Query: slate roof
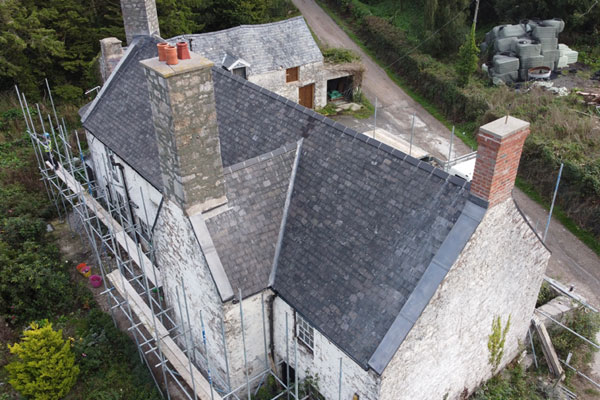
point(365, 222)
point(246, 234)
point(267, 47)
point(121, 117)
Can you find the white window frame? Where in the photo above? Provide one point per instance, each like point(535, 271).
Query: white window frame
point(305, 332)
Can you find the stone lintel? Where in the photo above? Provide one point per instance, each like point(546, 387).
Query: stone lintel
point(196, 62)
point(504, 127)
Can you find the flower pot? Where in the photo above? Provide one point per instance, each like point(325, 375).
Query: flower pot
point(183, 52)
point(80, 266)
point(95, 281)
point(171, 52)
point(162, 55)
point(86, 271)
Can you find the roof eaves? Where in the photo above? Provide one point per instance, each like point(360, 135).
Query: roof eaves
point(438, 268)
point(286, 207)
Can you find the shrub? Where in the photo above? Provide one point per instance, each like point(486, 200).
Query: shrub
point(336, 55)
point(545, 295)
point(17, 230)
point(33, 282)
point(45, 367)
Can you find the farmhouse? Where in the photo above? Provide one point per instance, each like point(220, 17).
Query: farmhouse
point(367, 257)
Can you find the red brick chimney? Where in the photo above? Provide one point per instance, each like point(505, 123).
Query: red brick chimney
point(500, 146)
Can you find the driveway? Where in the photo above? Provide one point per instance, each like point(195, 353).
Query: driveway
point(396, 108)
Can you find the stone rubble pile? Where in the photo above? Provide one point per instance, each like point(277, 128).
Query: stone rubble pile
point(514, 49)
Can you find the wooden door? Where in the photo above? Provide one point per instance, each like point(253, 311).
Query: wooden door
point(306, 95)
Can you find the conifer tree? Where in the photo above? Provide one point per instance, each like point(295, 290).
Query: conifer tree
point(45, 366)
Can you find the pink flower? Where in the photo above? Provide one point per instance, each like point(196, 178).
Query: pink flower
point(83, 355)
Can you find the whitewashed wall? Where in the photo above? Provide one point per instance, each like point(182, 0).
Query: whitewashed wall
point(499, 273)
point(309, 73)
point(255, 339)
point(135, 182)
point(324, 361)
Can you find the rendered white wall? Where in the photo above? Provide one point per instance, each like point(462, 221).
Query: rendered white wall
point(324, 361)
point(499, 273)
point(135, 182)
point(255, 339)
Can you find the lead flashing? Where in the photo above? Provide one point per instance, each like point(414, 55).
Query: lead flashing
point(435, 273)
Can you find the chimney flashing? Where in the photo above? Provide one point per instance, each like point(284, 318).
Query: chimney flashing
point(504, 127)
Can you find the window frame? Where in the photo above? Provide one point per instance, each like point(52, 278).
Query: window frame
point(305, 332)
point(292, 74)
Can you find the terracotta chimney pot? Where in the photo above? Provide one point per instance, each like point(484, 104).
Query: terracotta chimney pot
point(171, 53)
point(183, 52)
point(162, 54)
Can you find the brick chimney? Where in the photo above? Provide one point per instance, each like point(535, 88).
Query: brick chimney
point(139, 18)
point(500, 146)
point(185, 121)
point(112, 51)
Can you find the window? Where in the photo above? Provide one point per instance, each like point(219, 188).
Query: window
point(111, 167)
point(305, 332)
point(291, 74)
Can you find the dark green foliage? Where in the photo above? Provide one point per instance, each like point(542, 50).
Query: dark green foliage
point(228, 13)
point(108, 360)
point(512, 384)
point(468, 57)
point(445, 21)
point(34, 283)
point(545, 295)
point(177, 17)
point(54, 39)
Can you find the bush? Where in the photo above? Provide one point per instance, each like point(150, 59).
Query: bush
point(511, 385)
point(545, 295)
point(33, 282)
point(17, 230)
point(45, 367)
point(336, 55)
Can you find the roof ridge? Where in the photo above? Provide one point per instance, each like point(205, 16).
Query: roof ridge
point(236, 28)
point(260, 158)
point(455, 180)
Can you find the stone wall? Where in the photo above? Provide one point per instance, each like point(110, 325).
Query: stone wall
point(323, 361)
point(185, 120)
point(309, 73)
point(139, 18)
point(180, 260)
point(498, 274)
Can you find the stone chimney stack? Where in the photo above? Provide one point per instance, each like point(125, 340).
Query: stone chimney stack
point(185, 121)
point(140, 18)
point(500, 146)
point(112, 51)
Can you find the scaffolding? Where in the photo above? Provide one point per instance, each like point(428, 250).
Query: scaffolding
point(125, 256)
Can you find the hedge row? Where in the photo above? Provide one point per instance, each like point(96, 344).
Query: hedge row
point(437, 82)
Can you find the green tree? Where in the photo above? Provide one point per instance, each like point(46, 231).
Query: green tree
point(445, 22)
point(177, 17)
point(468, 57)
point(45, 366)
